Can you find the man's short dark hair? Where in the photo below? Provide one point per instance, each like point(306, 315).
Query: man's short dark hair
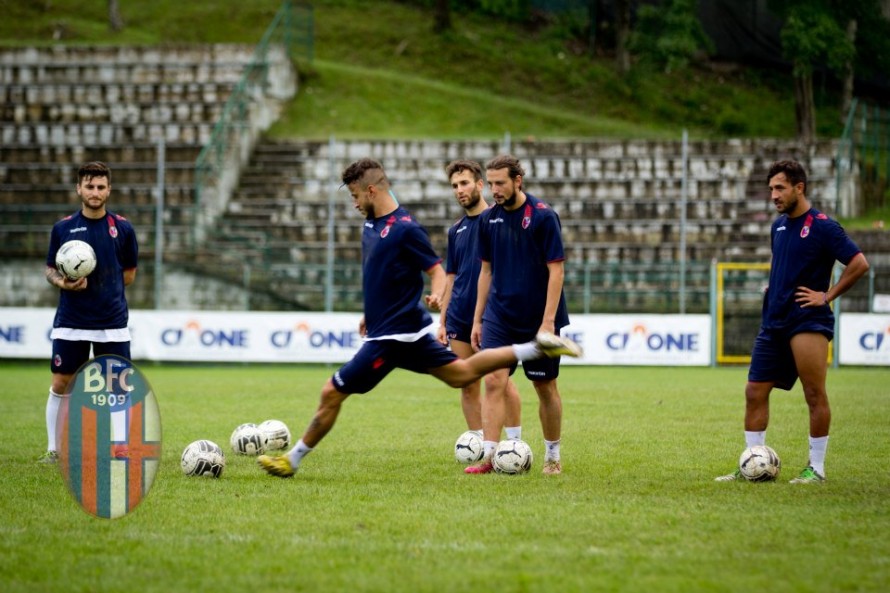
point(93, 169)
point(793, 170)
point(358, 170)
point(460, 166)
point(509, 162)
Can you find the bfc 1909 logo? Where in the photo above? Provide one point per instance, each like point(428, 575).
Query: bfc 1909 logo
point(109, 437)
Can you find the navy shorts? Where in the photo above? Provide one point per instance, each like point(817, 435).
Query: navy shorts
point(495, 335)
point(458, 331)
point(376, 358)
point(69, 355)
point(772, 360)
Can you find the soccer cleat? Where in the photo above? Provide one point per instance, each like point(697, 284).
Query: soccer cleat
point(276, 466)
point(552, 346)
point(736, 475)
point(552, 467)
point(48, 457)
point(808, 476)
point(480, 467)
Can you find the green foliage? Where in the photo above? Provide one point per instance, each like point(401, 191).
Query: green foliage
point(670, 34)
point(379, 71)
point(380, 505)
point(810, 37)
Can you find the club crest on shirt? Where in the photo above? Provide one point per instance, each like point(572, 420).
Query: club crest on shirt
point(385, 231)
point(112, 230)
point(805, 231)
point(527, 217)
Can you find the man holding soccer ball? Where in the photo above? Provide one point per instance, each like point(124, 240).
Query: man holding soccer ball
point(92, 311)
point(396, 252)
point(798, 322)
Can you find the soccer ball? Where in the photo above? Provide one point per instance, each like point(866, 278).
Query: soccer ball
point(512, 457)
point(76, 259)
point(468, 448)
point(759, 464)
point(275, 435)
point(203, 458)
point(247, 439)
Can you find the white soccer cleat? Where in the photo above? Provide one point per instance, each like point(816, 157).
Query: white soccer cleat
point(552, 346)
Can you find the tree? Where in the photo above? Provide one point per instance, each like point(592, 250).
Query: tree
point(114, 16)
point(622, 35)
point(811, 36)
point(442, 17)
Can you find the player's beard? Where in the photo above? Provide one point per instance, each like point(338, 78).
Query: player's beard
point(475, 196)
point(510, 201)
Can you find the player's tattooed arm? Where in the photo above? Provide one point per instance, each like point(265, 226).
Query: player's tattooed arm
point(57, 279)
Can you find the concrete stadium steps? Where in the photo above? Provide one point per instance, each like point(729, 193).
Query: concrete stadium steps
point(129, 65)
point(103, 133)
point(124, 193)
point(88, 93)
point(146, 152)
point(619, 202)
point(148, 112)
point(123, 173)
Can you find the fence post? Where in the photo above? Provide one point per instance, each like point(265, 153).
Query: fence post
point(159, 223)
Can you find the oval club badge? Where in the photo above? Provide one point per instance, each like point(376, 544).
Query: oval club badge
point(109, 437)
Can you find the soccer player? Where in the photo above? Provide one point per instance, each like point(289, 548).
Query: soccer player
point(396, 252)
point(797, 322)
point(519, 295)
point(459, 303)
point(92, 311)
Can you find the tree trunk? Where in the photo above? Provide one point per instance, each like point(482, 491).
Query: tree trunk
point(805, 108)
point(442, 17)
point(847, 92)
point(114, 16)
point(622, 35)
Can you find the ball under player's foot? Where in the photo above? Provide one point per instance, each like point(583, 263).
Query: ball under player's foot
point(552, 345)
point(277, 466)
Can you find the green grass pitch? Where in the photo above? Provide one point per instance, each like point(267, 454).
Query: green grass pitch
point(381, 505)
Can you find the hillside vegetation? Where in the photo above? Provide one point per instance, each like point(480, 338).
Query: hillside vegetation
point(379, 70)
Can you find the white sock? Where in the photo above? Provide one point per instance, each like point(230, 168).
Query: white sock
point(818, 445)
point(296, 454)
point(477, 431)
point(527, 351)
point(514, 433)
point(52, 415)
point(552, 450)
point(119, 426)
point(754, 438)
point(488, 448)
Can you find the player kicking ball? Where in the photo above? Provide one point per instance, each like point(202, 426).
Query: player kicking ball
point(396, 252)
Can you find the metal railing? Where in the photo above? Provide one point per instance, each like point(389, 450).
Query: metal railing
point(218, 165)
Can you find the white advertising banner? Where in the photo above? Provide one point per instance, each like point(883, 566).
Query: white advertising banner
point(669, 340)
point(239, 336)
point(203, 336)
point(864, 339)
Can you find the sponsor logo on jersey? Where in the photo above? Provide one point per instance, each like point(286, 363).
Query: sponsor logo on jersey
point(79, 229)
